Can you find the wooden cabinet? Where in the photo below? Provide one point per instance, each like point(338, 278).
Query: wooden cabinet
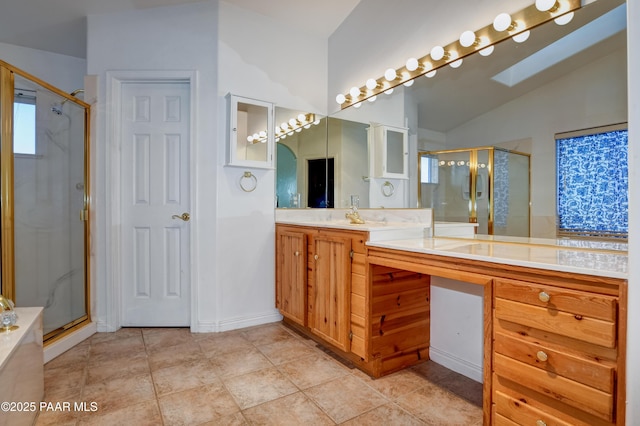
point(329, 303)
point(555, 354)
point(291, 275)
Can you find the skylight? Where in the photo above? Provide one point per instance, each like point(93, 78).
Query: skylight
point(584, 37)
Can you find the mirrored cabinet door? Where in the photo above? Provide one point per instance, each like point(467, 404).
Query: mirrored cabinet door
point(250, 133)
point(389, 151)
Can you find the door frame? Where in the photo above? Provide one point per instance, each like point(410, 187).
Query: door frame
point(113, 211)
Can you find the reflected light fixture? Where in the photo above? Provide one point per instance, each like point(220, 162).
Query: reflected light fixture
point(456, 63)
point(487, 50)
point(431, 74)
point(522, 37)
point(340, 99)
point(354, 92)
point(564, 19)
point(408, 83)
point(388, 91)
point(372, 98)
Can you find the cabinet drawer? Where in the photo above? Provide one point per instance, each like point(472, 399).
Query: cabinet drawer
point(554, 361)
point(572, 301)
point(521, 413)
point(576, 326)
point(569, 392)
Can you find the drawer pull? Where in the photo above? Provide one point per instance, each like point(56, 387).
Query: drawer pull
point(541, 423)
point(297, 253)
point(544, 297)
point(315, 257)
point(542, 356)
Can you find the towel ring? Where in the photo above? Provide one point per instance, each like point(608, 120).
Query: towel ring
point(388, 189)
point(248, 182)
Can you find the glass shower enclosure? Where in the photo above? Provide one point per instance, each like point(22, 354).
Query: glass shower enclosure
point(44, 176)
point(489, 186)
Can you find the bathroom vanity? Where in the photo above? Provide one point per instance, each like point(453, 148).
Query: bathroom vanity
point(554, 311)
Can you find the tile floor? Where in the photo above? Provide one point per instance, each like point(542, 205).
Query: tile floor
point(264, 375)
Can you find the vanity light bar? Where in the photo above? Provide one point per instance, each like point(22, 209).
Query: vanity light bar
point(295, 124)
point(453, 53)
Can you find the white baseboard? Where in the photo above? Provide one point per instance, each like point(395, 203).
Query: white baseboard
point(67, 342)
point(456, 364)
point(237, 323)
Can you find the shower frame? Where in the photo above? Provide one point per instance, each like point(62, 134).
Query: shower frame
point(473, 172)
point(7, 206)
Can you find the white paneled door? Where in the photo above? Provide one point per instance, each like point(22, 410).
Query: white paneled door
point(155, 204)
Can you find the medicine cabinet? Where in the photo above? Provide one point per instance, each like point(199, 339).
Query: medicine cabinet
point(389, 151)
point(251, 133)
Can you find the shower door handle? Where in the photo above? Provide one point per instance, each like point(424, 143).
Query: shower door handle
point(183, 216)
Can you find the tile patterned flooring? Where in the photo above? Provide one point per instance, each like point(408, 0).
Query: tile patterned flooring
point(265, 375)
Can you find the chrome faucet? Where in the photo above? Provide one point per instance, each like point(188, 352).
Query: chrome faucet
point(354, 216)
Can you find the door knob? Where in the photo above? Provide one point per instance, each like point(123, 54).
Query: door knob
point(183, 216)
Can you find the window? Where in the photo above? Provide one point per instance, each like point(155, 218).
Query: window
point(24, 124)
point(593, 183)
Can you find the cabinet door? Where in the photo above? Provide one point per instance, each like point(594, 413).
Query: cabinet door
point(291, 275)
point(329, 310)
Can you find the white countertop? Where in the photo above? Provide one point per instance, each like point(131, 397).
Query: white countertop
point(554, 255)
point(10, 340)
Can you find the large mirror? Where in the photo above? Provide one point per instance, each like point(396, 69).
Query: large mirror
point(563, 78)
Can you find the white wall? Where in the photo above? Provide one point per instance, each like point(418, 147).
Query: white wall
point(165, 38)
point(259, 58)
point(571, 102)
point(62, 71)
point(633, 317)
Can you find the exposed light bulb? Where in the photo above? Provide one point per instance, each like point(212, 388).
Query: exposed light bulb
point(278, 129)
point(467, 39)
point(502, 22)
point(456, 64)
point(371, 84)
point(262, 134)
point(277, 139)
point(487, 50)
point(522, 37)
point(390, 74)
point(354, 92)
point(307, 126)
point(249, 138)
point(290, 133)
point(437, 53)
point(545, 5)
point(340, 99)
point(564, 19)
point(431, 74)
point(412, 64)
point(372, 98)
point(283, 137)
point(358, 105)
point(284, 126)
point(299, 129)
point(293, 123)
point(256, 136)
point(408, 83)
point(388, 91)
point(302, 118)
point(315, 123)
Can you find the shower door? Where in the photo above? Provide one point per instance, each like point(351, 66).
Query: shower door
point(486, 185)
point(49, 204)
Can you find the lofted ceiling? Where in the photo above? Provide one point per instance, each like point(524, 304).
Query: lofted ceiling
point(59, 26)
